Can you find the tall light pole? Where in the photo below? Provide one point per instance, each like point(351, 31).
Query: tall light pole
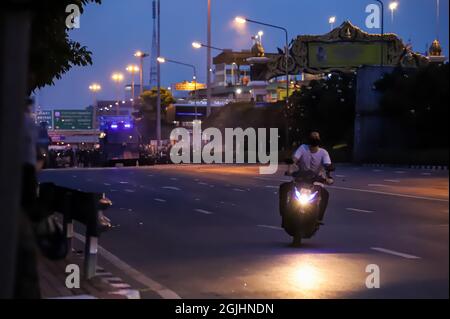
point(132, 69)
point(382, 31)
point(194, 77)
point(259, 36)
point(393, 6)
point(208, 63)
point(242, 20)
point(332, 21)
point(94, 88)
point(438, 17)
point(158, 71)
point(141, 55)
point(117, 77)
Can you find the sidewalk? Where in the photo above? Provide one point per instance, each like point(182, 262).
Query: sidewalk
point(106, 285)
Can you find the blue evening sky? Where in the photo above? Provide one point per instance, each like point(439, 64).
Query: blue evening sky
point(114, 30)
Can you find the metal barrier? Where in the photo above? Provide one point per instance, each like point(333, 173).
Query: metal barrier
point(85, 208)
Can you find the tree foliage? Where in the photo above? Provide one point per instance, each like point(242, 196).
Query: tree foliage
point(418, 101)
point(52, 52)
point(149, 99)
point(326, 105)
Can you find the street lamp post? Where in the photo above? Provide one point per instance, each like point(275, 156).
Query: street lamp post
point(117, 78)
point(242, 20)
point(194, 77)
point(133, 69)
point(393, 6)
point(208, 63)
point(94, 88)
point(158, 72)
point(141, 55)
point(332, 21)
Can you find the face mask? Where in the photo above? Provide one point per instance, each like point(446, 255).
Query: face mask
point(314, 142)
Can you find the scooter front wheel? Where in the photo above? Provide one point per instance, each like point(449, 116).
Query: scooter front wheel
point(297, 242)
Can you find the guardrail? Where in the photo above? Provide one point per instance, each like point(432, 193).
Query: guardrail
point(85, 208)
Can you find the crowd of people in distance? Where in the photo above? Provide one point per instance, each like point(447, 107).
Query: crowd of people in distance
point(73, 157)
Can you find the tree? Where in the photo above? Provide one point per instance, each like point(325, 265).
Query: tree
point(149, 99)
point(417, 100)
point(326, 105)
point(52, 52)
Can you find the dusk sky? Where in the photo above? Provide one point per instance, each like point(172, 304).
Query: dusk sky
point(114, 30)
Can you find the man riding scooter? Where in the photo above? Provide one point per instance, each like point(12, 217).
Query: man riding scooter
point(311, 160)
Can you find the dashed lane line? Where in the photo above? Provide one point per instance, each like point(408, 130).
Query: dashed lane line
point(202, 211)
point(359, 210)
point(172, 188)
point(395, 253)
point(388, 194)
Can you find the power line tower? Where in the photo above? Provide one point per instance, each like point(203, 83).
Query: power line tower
point(153, 56)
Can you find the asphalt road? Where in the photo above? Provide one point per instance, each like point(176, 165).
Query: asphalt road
point(213, 231)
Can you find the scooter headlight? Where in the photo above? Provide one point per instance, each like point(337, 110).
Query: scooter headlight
point(305, 196)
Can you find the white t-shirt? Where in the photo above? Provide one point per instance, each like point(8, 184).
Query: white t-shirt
point(315, 162)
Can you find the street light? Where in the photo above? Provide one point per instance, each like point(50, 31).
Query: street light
point(393, 6)
point(161, 60)
point(199, 45)
point(260, 35)
point(133, 69)
point(242, 20)
point(94, 88)
point(117, 77)
point(332, 21)
point(141, 55)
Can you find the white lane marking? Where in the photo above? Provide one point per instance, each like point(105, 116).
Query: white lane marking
point(206, 212)
point(113, 279)
point(271, 186)
point(400, 172)
point(129, 191)
point(149, 175)
point(202, 183)
point(99, 274)
point(129, 293)
point(377, 185)
point(392, 180)
point(120, 285)
point(270, 227)
point(386, 193)
point(160, 200)
point(238, 190)
point(359, 210)
point(172, 188)
point(106, 184)
point(377, 170)
point(123, 182)
point(395, 253)
point(161, 290)
point(173, 179)
point(426, 174)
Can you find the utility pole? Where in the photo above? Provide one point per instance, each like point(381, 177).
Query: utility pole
point(158, 68)
point(208, 63)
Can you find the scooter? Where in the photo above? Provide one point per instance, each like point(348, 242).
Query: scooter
point(302, 206)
